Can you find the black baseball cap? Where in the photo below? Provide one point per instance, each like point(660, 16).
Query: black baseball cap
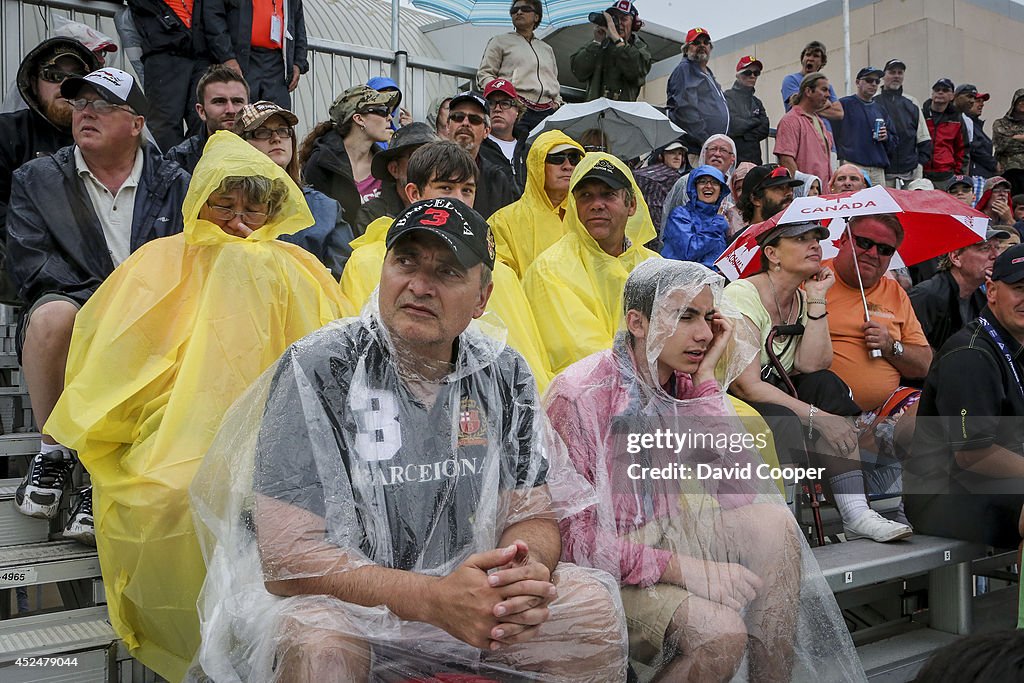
point(113, 85)
point(463, 229)
point(470, 96)
point(943, 83)
point(406, 140)
point(868, 71)
point(972, 90)
point(608, 173)
point(1009, 266)
point(895, 64)
point(768, 175)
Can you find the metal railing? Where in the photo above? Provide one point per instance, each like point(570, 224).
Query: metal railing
point(333, 65)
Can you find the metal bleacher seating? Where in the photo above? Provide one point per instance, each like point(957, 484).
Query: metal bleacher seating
point(53, 617)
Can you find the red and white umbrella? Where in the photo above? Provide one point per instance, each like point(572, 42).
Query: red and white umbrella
point(934, 223)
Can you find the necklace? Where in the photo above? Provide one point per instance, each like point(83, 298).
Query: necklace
point(783, 319)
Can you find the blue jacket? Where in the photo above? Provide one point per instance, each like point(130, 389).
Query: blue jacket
point(696, 103)
point(853, 137)
point(695, 231)
point(328, 237)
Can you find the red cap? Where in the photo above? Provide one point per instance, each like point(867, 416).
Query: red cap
point(624, 6)
point(500, 85)
point(692, 34)
point(747, 61)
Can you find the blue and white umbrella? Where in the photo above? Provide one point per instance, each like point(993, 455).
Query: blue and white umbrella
point(495, 12)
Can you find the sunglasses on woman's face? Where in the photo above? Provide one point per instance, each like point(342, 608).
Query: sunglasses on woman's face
point(558, 158)
point(376, 111)
point(520, 9)
point(864, 244)
point(460, 116)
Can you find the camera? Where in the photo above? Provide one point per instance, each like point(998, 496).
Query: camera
point(598, 19)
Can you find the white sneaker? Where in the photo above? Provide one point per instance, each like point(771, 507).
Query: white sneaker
point(80, 526)
point(876, 527)
point(40, 491)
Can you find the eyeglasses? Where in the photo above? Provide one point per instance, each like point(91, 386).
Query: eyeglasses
point(864, 244)
point(253, 219)
point(101, 107)
point(872, 81)
point(502, 105)
point(706, 180)
point(460, 116)
point(54, 75)
point(750, 72)
point(376, 111)
point(267, 133)
point(521, 9)
point(559, 158)
point(718, 150)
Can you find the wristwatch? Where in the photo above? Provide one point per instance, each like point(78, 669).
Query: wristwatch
point(897, 349)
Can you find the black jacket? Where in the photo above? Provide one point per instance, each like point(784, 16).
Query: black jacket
point(228, 27)
point(748, 123)
point(387, 204)
point(494, 187)
point(54, 238)
point(516, 168)
point(936, 303)
point(903, 114)
point(983, 162)
point(328, 169)
point(162, 31)
point(188, 152)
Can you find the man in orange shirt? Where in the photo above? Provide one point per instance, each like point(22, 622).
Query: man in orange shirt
point(893, 331)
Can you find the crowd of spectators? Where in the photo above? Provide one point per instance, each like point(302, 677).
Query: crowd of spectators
point(599, 271)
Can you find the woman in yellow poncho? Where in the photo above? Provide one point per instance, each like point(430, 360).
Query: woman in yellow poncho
point(158, 355)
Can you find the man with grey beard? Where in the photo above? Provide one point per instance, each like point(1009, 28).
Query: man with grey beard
point(695, 101)
point(45, 126)
point(469, 124)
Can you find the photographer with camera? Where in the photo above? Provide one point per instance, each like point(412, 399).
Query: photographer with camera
point(616, 62)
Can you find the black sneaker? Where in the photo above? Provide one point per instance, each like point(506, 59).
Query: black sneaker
point(41, 489)
point(80, 526)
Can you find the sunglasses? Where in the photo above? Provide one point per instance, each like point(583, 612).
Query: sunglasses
point(267, 133)
point(559, 158)
point(872, 81)
point(376, 111)
point(701, 41)
point(460, 116)
point(521, 9)
point(52, 74)
point(750, 72)
point(864, 244)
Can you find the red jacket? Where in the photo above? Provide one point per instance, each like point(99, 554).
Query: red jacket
point(948, 140)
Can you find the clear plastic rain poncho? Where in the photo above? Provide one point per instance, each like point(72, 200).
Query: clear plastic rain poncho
point(345, 455)
point(755, 605)
point(158, 354)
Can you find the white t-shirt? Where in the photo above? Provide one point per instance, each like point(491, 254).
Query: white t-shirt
point(115, 211)
point(507, 148)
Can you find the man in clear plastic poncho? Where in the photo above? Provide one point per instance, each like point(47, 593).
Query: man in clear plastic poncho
point(525, 228)
point(713, 568)
point(384, 502)
point(158, 354)
point(443, 169)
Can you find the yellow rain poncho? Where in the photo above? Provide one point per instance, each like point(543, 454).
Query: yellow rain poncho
point(524, 229)
point(508, 302)
point(575, 288)
point(158, 354)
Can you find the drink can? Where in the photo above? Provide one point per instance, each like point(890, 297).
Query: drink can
point(879, 124)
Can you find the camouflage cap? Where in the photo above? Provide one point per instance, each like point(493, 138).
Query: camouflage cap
point(358, 98)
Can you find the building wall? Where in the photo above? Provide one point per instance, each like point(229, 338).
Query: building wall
point(976, 41)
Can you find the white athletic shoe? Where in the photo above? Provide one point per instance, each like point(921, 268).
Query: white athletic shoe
point(40, 491)
point(876, 527)
point(80, 526)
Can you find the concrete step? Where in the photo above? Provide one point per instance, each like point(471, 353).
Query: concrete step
point(53, 561)
point(16, 528)
point(57, 635)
